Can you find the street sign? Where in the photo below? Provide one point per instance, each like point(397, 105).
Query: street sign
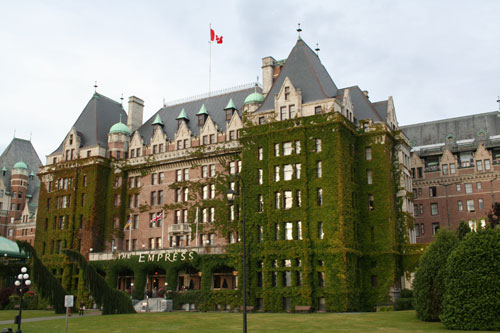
point(68, 301)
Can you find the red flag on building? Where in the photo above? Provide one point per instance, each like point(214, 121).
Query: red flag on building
point(214, 37)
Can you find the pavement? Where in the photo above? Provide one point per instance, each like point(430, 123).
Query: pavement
point(89, 313)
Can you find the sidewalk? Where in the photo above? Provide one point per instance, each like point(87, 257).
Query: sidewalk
point(88, 313)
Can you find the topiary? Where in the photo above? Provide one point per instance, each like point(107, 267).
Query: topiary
point(405, 301)
point(428, 285)
point(472, 297)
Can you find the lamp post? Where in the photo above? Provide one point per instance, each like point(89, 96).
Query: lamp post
point(23, 284)
point(230, 194)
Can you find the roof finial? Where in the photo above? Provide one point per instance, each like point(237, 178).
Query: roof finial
point(30, 135)
point(95, 87)
point(317, 49)
point(120, 118)
point(14, 133)
point(121, 100)
point(299, 30)
point(164, 104)
point(498, 101)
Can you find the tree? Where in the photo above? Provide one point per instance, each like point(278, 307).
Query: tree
point(472, 296)
point(494, 215)
point(428, 285)
point(462, 230)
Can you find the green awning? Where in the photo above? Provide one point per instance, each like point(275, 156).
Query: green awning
point(9, 248)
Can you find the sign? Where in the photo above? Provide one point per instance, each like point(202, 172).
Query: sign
point(69, 301)
point(160, 255)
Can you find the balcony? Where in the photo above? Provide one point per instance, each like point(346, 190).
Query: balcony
point(432, 168)
point(180, 228)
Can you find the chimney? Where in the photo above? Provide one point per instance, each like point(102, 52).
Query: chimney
point(135, 111)
point(267, 74)
point(365, 92)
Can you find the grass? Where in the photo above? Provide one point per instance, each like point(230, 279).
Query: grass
point(393, 322)
point(10, 314)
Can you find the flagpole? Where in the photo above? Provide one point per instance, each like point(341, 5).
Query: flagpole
point(210, 62)
point(197, 240)
point(162, 228)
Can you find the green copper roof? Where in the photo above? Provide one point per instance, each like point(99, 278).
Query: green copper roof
point(4, 168)
point(10, 249)
point(119, 127)
point(255, 97)
point(203, 110)
point(230, 105)
point(158, 120)
point(21, 165)
point(182, 115)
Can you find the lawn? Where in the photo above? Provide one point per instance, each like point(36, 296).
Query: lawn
point(394, 322)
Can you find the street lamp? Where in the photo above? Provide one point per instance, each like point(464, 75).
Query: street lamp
point(231, 194)
point(22, 283)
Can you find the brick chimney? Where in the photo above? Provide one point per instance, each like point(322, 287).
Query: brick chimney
point(135, 111)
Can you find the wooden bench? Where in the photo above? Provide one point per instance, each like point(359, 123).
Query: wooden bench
point(302, 308)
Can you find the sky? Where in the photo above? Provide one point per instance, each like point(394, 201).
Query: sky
point(438, 59)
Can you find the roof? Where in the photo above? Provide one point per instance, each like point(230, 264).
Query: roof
point(20, 150)
point(158, 121)
point(120, 128)
point(95, 121)
point(215, 107)
point(10, 248)
point(305, 71)
point(20, 165)
point(363, 108)
point(461, 128)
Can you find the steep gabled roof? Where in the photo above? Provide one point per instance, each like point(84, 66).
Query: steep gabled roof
point(20, 150)
point(215, 108)
point(306, 72)
point(363, 108)
point(96, 119)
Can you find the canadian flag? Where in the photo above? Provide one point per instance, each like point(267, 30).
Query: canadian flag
point(214, 37)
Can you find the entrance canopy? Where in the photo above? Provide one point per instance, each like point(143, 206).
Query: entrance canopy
point(10, 249)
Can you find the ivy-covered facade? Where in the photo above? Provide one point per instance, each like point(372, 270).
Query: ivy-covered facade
point(322, 181)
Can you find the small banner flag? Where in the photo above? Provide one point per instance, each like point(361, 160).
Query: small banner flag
point(156, 219)
point(214, 37)
point(127, 225)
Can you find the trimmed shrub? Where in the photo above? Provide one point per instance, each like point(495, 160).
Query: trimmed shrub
point(405, 301)
point(428, 285)
point(472, 297)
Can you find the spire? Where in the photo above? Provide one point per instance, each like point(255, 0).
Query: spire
point(182, 115)
point(203, 110)
point(299, 30)
point(230, 105)
point(158, 120)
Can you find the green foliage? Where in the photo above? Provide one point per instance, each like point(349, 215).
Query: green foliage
point(405, 301)
point(462, 230)
point(113, 301)
point(428, 285)
point(472, 297)
point(47, 285)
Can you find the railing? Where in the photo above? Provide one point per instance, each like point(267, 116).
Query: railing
point(466, 164)
point(432, 168)
point(496, 161)
point(179, 228)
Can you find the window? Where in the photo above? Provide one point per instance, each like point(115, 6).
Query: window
point(212, 191)
point(204, 171)
point(317, 110)
point(470, 205)
point(283, 113)
point(232, 135)
point(232, 167)
point(260, 207)
point(460, 205)
point(415, 210)
point(287, 199)
point(260, 234)
point(261, 176)
point(277, 199)
point(276, 149)
point(178, 175)
point(479, 165)
point(468, 188)
point(204, 191)
point(413, 175)
point(289, 231)
point(277, 232)
point(487, 165)
point(287, 148)
point(480, 203)
point(178, 195)
point(287, 172)
point(186, 194)
point(435, 227)
point(459, 187)
point(160, 197)
point(297, 170)
point(369, 177)
point(299, 231)
point(319, 193)
point(154, 179)
point(432, 191)
point(298, 198)
point(231, 213)
point(321, 234)
point(371, 206)
point(287, 93)
point(212, 138)
point(419, 172)
point(276, 173)
point(261, 120)
point(155, 149)
point(444, 169)
point(452, 168)
point(178, 217)
point(368, 153)
point(153, 198)
point(260, 153)
point(297, 147)
point(422, 229)
point(317, 145)
point(421, 209)
point(205, 137)
point(321, 279)
point(204, 215)
point(479, 185)
point(319, 169)
point(434, 209)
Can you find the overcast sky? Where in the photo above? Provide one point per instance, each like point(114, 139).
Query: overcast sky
point(438, 59)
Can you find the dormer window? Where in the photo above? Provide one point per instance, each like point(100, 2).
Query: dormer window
point(201, 119)
point(71, 139)
point(287, 93)
point(229, 114)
